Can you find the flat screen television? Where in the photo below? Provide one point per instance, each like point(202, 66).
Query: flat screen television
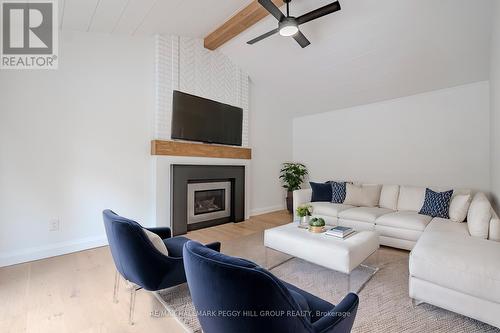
point(199, 119)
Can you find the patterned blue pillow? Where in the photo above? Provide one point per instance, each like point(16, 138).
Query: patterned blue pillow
point(436, 204)
point(338, 192)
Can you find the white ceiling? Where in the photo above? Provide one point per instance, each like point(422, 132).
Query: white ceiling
point(193, 18)
point(369, 51)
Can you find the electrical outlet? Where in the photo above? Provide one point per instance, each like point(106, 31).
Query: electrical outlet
point(54, 225)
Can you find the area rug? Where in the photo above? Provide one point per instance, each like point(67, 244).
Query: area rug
point(384, 302)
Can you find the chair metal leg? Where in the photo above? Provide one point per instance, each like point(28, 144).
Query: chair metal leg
point(133, 291)
point(116, 287)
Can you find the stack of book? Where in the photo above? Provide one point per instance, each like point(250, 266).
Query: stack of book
point(340, 232)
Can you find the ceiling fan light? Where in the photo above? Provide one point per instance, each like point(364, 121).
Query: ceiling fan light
point(289, 30)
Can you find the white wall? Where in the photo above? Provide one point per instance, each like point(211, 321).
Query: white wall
point(73, 142)
point(438, 138)
point(271, 142)
point(495, 107)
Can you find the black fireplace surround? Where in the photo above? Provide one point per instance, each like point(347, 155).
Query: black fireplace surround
point(182, 175)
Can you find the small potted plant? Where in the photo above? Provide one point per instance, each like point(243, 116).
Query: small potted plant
point(304, 212)
point(292, 176)
point(316, 225)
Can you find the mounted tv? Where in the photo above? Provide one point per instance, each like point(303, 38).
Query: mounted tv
point(199, 119)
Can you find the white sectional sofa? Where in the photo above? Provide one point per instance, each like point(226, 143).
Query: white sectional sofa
point(453, 270)
point(448, 267)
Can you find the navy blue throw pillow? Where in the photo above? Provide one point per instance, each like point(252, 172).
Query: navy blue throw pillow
point(321, 192)
point(338, 192)
point(436, 204)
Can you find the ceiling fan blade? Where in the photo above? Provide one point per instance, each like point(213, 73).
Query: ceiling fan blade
point(261, 37)
point(317, 13)
point(301, 39)
point(271, 8)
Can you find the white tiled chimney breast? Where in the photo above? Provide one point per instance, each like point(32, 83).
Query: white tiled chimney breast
point(182, 63)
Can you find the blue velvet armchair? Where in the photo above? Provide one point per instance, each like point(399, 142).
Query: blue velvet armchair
point(138, 261)
point(235, 295)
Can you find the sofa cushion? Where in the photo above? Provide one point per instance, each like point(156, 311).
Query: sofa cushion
point(328, 208)
point(479, 215)
point(356, 225)
point(457, 261)
point(389, 197)
point(362, 195)
point(436, 204)
point(439, 224)
point(398, 233)
point(363, 214)
point(338, 192)
point(404, 220)
point(411, 198)
point(494, 230)
point(321, 192)
point(459, 206)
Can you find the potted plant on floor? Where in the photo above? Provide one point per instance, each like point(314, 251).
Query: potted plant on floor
point(316, 225)
point(304, 212)
point(292, 175)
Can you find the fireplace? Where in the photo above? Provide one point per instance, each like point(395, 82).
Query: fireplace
point(208, 201)
point(206, 195)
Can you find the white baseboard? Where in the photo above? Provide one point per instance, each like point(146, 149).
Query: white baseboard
point(52, 250)
point(264, 210)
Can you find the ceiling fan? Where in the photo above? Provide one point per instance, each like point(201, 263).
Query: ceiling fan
point(288, 26)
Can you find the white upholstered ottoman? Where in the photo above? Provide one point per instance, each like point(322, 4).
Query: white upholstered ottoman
point(342, 255)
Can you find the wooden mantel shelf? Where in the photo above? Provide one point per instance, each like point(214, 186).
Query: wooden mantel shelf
point(177, 148)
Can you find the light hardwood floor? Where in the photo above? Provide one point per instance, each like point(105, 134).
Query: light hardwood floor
point(73, 293)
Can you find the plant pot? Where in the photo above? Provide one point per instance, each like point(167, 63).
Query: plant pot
point(304, 221)
point(289, 201)
point(316, 230)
